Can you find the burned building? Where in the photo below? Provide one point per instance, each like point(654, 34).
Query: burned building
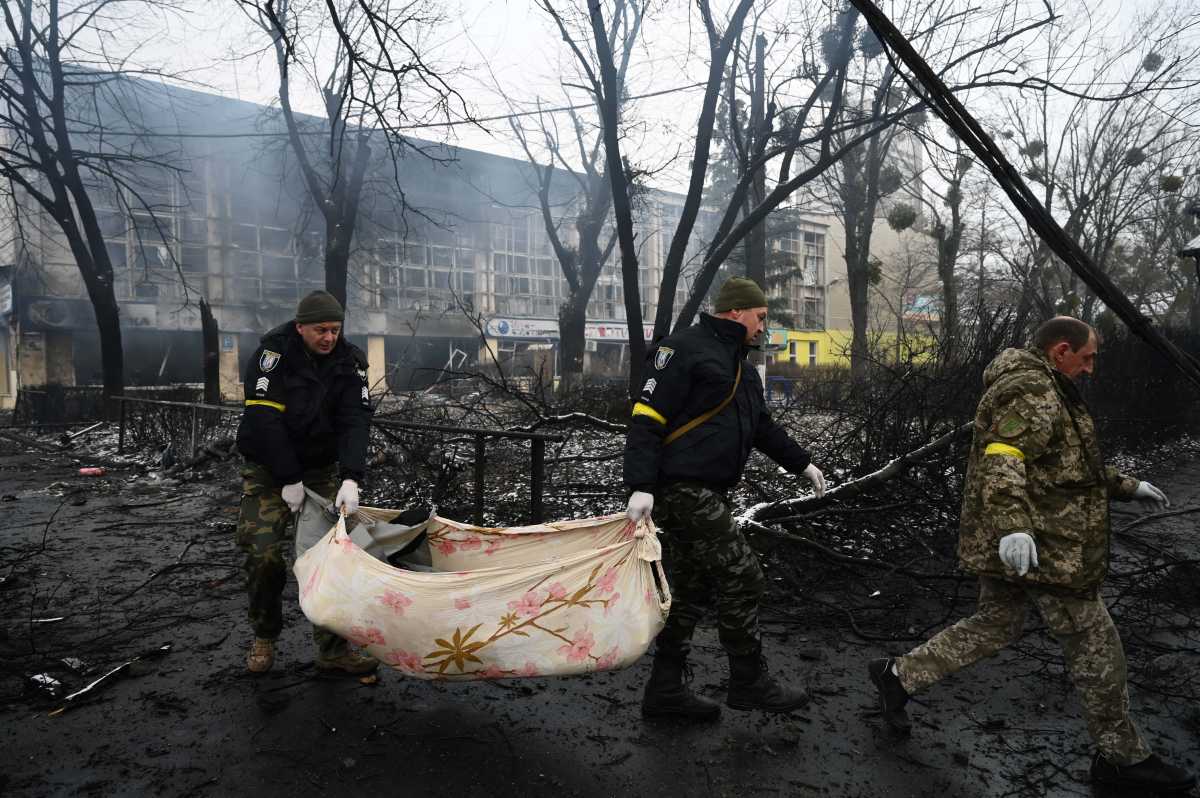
point(215, 208)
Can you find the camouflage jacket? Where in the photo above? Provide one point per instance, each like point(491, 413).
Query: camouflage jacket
point(1035, 466)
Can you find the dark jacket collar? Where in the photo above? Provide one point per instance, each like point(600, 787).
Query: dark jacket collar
point(727, 331)
point(285, 336)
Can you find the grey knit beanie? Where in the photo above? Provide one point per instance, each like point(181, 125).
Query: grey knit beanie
point(319, 306)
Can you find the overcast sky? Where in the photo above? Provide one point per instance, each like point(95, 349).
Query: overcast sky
point(511, 48)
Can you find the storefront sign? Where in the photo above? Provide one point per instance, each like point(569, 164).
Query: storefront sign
point(614, 331)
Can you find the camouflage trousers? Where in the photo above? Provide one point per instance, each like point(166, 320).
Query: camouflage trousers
point(264, 533)
point(1091, 646)
point(706, 554)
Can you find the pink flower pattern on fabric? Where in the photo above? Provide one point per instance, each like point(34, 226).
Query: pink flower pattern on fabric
point(610, 603)
point(579, 648)
point(396, 600)
point(470, 544)
point(404, 660)
point(461, 603)
point(446, 547)
point(608, 581)
point(492, 671)
point(313, 578)
point(556, 591)
point(347, 544)
point(528, 606)
point(492, 547)
point(609, 660)
point(366, 636)
point(529, 670)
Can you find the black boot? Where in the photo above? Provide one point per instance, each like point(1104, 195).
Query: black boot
point(1153, 775)
point(892, 695)
point(667, 695)
point(751, 687)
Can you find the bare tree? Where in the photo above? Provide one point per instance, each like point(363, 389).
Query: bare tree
point(590, 204)
point(1097, 155)
point(942, 196)
point(64, 81)
point(375, 81)
point(976, 46)
point(1163, 283)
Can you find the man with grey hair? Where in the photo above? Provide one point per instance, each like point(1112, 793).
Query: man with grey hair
point(1035, 530)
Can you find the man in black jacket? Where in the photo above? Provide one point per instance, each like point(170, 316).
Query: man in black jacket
point(700, 412)
point(307, 411)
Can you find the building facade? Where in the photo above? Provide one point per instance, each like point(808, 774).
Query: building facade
point(462, 268)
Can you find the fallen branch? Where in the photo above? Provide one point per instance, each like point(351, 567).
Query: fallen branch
point(1155, 516)
point(207, 451)
point(167, 569)
point(27, 441)
point(847, 559)
point(768, 511)
point(82, 693)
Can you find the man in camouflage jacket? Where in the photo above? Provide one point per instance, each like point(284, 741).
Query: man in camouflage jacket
point(1035, 530)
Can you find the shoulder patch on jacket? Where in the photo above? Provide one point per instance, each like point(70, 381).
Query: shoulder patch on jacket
point(662, 357)
point(269, 360)
point(1012, 425)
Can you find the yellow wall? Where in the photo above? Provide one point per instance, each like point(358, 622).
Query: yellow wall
point(833, 346)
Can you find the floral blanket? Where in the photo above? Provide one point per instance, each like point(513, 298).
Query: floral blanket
point(546, 600)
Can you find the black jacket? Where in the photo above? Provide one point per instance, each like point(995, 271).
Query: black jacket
point(687, 375)
point(304, 411)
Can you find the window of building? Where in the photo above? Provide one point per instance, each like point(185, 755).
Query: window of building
point(812, 353)
point(792, 347)
point(525, 271)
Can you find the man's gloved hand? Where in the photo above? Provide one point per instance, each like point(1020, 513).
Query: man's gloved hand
point(1151, 497)
point(640, 506)
point(817, 479)
point(1019, 552)
point(347, 497)
point(294, 496)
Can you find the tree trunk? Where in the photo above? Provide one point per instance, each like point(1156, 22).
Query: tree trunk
point(340, 220)
point(756, 241)
point(858, 277)
point(212, 357)
point(609, 106)
point(112, 356)
point(949, 304)
point(1194, 301)
point(572, 323)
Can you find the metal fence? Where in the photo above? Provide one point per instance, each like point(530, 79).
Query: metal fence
point(158, 424)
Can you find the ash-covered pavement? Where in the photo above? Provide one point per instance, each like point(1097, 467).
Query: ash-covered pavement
point(131, 565)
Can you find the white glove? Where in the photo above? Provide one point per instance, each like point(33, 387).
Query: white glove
point(640, 505)
point(294, 496)
point(1151, 497)
point(1019, 552)
point(816, 478)
point(347, 497)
